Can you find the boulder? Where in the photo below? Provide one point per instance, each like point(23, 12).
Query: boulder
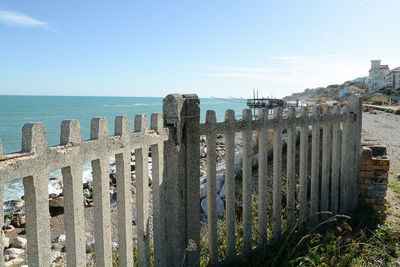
point(13, 262)
point(57, 202)
point(113, 199)
point(14, 251)
point(220, 175)
point(13, 205)
point(18, 242)
point(55, 254)
point(59, 239)
point(203, 178)
point(55, 245)
point(203, 191)
point(89, 246)
point(113, 178)
point(86, 193)
point(8, 228)
point(203, 149)
point(18, 218)
point(238, 162)
point(222, 193)
point(6, 242)
point(220, 207)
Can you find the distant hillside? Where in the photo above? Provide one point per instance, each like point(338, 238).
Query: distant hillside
point(330, 92)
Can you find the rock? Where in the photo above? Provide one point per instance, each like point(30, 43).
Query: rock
point(14, 251)
point(115, 246)
point(90, 246)
point(6, 242)
point(18, 218)
point(55, 245)
point(255, 161)
point(18, 242)
point(220, 207)
point(222, 193)
point(8, 228)
point(203, 205)
point(88, 185)
point(59, 239)
point(13, 205)
point(113, 199)
point(86, 193)
point(113, 178)
point(55, 254)
point(133, 176)
point(57, 202)
point(13, 262)
point(220, 184)
point(203, 191)
point(203, 179)
point(238, 162)
point(54, 195)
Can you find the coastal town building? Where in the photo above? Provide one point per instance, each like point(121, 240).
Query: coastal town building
point(380, 76)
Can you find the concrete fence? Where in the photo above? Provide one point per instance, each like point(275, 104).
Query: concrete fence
point(329, 183)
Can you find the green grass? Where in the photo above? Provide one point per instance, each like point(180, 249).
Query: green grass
point(395, 186)
point(361, 240)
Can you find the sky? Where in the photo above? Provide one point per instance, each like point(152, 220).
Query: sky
point(221, 48)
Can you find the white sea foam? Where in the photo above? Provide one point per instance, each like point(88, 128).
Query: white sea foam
point(15, 189)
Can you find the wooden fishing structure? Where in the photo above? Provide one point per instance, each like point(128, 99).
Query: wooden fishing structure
point(256, 103)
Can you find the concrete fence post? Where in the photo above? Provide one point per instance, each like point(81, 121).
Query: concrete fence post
point(34, 139)
point(182, 180)
point(355, 107)
point(1, 211)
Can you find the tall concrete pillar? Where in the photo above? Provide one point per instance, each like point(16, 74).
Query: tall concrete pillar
point(182, 180)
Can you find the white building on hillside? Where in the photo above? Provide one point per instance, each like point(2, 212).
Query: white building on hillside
point(381, 76)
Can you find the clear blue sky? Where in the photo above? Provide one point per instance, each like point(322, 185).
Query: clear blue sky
point(212, 48)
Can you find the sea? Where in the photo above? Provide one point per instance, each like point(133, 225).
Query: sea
point(15, 111)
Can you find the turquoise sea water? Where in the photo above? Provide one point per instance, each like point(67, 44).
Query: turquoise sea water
point(15, 111)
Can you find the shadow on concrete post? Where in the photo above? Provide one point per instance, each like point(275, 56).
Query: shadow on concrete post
point(182, 180)
point(355, 107)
